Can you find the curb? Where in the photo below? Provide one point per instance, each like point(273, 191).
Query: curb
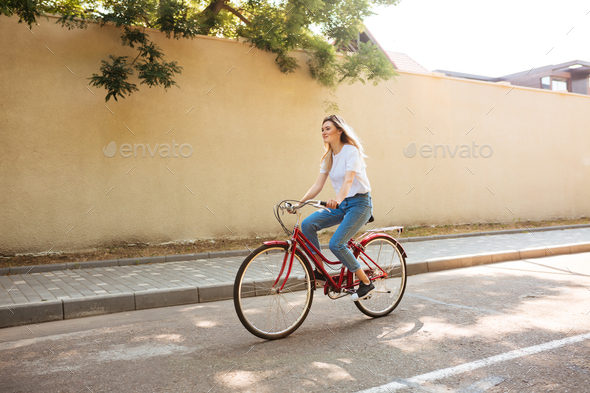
point(239, 253)
point(120, 262)
point(489, 233)
point(56, 310)
point(461, 261)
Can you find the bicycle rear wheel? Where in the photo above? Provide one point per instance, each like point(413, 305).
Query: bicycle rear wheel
point(263, 310)
point(388, 291)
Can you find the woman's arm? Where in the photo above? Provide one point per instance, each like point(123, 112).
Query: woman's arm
point(348, 179)
point(316, 188)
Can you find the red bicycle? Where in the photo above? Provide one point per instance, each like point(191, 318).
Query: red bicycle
point(274, 286)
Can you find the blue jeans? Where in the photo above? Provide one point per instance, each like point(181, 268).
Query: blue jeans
point(353, 213)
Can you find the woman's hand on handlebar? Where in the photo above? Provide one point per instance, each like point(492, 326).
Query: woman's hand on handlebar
point(292, 207)
point(332, 204)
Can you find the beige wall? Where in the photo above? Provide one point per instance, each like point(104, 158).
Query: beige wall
point(256, 140)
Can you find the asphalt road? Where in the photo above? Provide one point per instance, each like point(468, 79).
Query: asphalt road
point(515, 326)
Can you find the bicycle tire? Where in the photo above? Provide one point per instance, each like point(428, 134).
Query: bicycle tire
point(258, 305)
point(385, 252)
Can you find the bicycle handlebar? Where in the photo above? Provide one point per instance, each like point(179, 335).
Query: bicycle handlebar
point(291, 208)
point(326, 204)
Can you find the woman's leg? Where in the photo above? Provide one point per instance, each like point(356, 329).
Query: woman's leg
point(320, 220)
point(357, 212)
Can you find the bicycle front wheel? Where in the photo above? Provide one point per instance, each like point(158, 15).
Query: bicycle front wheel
point(263, 309)
point(388, 291)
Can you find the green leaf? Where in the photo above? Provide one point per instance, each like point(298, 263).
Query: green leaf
point(132, 37)
point(154, 73)
point(369, 63)
point(27, 10)
point(277, 27)
point(177, 18)
point(114, 78)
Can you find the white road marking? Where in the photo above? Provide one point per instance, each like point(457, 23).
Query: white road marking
point(466, 367)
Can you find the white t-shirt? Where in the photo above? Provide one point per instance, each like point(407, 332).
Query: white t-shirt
point(349, 159)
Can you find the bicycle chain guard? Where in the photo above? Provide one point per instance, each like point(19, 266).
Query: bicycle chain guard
point(332, 294)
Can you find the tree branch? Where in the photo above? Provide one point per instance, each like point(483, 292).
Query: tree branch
point(236, 13)
point(137, 57)
point(147, 22)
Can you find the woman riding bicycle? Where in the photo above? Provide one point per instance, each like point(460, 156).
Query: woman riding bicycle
point(344, 163)
point(274, 286)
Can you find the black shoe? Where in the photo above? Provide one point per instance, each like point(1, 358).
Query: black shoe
point(319, 276)
point(363, 291)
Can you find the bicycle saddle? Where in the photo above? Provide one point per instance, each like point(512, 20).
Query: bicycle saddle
point(371, 219)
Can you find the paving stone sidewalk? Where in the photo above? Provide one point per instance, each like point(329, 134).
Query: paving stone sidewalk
point(420, 251)
point(212, 279)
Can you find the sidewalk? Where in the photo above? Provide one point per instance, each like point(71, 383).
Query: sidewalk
point(66, 294)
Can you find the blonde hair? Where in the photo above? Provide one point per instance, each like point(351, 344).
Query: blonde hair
point(348, 136)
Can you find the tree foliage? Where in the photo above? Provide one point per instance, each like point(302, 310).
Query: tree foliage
point(322, 28)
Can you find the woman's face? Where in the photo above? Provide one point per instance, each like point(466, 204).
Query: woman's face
point(330, 133)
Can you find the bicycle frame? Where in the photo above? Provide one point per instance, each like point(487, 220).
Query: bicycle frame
point(301, 242)
point(274, 306)
point(304, 244)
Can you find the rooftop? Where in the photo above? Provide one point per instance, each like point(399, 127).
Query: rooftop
point(403, 62)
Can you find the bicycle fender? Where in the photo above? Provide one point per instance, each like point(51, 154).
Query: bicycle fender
point(374, 235)
point(277, 242)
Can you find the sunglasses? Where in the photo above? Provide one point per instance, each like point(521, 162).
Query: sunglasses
point(334, 117)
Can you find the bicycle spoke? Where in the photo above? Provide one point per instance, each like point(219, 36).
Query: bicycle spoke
point(264, 310)
point(383, 252)
point(283, 315)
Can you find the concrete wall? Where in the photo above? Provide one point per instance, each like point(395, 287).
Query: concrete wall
point(255, 140)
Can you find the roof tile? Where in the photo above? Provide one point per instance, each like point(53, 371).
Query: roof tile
point(403, 62)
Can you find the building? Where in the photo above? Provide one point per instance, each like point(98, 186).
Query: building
point(400, 61)
point(571, 76)
point(403, 62)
